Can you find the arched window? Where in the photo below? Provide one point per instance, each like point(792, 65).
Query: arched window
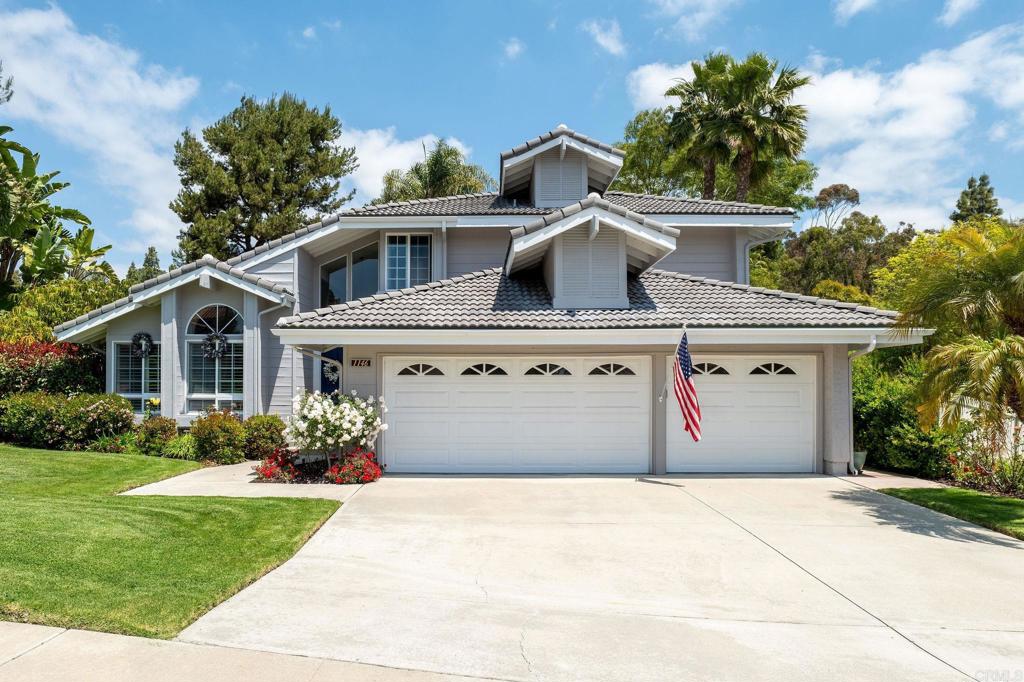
point(612, 369)
point(420, 369)
point(215, 375)
point(548, 369)
point(772, 368)
point(709, 368)
point(484, 369)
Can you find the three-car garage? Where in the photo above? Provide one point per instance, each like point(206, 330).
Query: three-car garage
point(518, 414)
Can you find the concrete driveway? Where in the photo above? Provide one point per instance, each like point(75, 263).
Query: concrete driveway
point(741, 577)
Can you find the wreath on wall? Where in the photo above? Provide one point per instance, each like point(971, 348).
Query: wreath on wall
point(214, 346)
point(142, 345)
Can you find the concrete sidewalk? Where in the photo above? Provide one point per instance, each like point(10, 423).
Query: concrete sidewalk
point(35, 653)
point(238, 480)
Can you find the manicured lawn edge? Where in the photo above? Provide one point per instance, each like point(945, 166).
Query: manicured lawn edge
point(1002, 514)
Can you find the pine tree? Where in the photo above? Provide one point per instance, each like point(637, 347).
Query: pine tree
point(977, 201)
point(150, 268)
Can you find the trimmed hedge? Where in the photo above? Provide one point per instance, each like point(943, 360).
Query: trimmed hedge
point(155, 433)
point(219, 437)
point(44, 420)
point(49, 367)
point(264, 433)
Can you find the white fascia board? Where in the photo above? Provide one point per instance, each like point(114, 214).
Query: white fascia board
point(90, 328)
point(704, 220)
point(207, 270)
point(591, 337)
point(508, 221)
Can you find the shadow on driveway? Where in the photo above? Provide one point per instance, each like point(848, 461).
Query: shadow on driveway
point(907, 516)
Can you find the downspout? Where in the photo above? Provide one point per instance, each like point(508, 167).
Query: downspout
point(860, 352)
point(444, 250)
point(259, 356)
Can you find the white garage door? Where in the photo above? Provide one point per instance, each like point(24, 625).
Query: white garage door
point(759, 415)
point(536, 414)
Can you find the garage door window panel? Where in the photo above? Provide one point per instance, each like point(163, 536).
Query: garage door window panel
point(484, 369)
point(710, 368)
point(612, 369)
point(420, 370)
point(548, 369)
point(773, 369)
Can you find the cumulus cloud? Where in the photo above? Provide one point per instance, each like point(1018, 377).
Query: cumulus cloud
point(380, 150)
point(309, 33)
point(98, 97)
point(513, 47)
point(607, 34)
point(690, 18)
point(902, 137)
point(954, 10)
point(845, 10)
point(647, 84)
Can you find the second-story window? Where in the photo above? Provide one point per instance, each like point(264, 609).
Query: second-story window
point(408, 260)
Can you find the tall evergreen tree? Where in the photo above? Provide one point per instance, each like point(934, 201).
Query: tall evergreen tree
point(977, 201)
point(150, 268)
point(262, 171)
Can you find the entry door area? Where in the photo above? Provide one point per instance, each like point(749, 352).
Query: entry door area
point(759, 415)
point(517, 414)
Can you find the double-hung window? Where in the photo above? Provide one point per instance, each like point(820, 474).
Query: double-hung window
point(407, 260)
point(135, 378)
point(215, 382)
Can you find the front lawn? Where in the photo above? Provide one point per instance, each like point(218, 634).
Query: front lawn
point(1001, 514)
point(73, 554)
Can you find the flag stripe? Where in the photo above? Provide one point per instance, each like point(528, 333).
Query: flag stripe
point(685, 389)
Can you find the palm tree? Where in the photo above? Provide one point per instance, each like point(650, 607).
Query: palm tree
point(443, 172)
point(84, 261)
point(976, 301)
point(701, 102)
point(757, 116)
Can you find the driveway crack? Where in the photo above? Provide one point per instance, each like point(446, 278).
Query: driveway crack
point(820, 580)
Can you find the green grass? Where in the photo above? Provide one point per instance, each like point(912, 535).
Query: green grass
point(73, 554)
point(1002, 514)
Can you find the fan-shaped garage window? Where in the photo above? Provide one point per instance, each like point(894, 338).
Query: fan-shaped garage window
point(484, 369)
point(772, 368)
point(420, 370)
point(709, 368)
point(612, 369)
point(548, 369)
point(216, 319)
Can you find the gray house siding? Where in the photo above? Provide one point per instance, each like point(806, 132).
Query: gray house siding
point(476, 248)
point(307, 294)
point(280, 269)
point(704, 252)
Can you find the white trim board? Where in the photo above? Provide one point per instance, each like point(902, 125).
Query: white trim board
point(598, 337)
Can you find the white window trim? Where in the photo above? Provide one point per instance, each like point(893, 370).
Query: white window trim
point(408, 257)
point(145, 395)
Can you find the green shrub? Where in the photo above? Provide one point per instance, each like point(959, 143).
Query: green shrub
point(264, 433)
point(39, 308)
point(885, 419)
point(53, 421)
point(220, 437)
point(125, 443)
point(155, 433)
point(182, 447)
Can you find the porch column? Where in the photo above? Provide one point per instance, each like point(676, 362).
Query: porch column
point(168, 350)
point(250, 380)
point(837, 401)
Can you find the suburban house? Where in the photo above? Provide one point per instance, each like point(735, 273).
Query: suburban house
point(527, 330)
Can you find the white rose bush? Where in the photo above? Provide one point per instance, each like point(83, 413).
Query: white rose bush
point(331, 423)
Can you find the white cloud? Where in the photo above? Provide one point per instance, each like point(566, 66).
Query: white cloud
point(332, 24)
point(846, 9)
point(513, 47)
point(309, 33)
point(647, 84)
point(692, 17)
point(380, 150)
point(97, 97)
point(903, 137)
point(607, 34)
point(955, 10)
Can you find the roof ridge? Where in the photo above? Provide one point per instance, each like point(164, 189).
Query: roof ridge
point(559, 131)
point(409, 202)
point(778, 293)
point(592, 199)
point(696, 200)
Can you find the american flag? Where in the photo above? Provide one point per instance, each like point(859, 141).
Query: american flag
point(686, 392)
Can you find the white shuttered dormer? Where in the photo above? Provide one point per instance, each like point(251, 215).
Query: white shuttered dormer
point(559, 179)
point(589, 268)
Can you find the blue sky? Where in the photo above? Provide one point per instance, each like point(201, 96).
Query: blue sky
point(910, 97)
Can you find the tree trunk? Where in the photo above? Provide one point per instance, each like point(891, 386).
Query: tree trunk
point(744, 166)
point(710, 171)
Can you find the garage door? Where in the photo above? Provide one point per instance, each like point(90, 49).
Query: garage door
point(533, 414)
point(759, 415)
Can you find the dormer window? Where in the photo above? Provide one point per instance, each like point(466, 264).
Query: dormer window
point(408, 261)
